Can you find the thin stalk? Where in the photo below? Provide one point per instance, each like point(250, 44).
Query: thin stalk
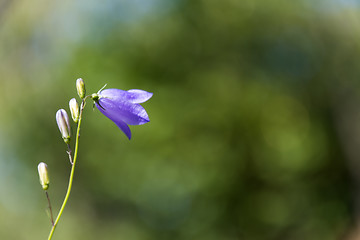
point(69, 153)
point(71, 173)
point(50, 209)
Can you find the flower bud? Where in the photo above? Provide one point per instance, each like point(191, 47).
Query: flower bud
point(80, 87)
point(43, 175)
point(74, 109)
point(63, 123)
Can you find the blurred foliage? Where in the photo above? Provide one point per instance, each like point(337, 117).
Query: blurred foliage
point(253, 130)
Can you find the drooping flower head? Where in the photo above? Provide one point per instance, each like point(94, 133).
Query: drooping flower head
point(122, 107)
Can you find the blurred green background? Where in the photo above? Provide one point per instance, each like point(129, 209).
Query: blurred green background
point(255, 119)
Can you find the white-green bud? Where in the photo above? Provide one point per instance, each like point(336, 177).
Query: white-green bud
point(63, 123)
point(80, 87)
point(43, 175)
point(74, 109)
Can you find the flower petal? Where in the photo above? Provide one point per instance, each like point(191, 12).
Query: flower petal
point(139, 96)
point(130, 113)
point(132, 95)
point(117, 120)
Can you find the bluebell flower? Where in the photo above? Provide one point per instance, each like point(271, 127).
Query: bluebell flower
point(122, 107)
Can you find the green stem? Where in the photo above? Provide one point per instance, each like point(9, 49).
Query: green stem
point(50, 209)
point(72, 172)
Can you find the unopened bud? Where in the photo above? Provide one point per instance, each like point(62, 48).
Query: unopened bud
point(63, 123)
point(80, 87)
point(43, 175)
point(74, 109)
